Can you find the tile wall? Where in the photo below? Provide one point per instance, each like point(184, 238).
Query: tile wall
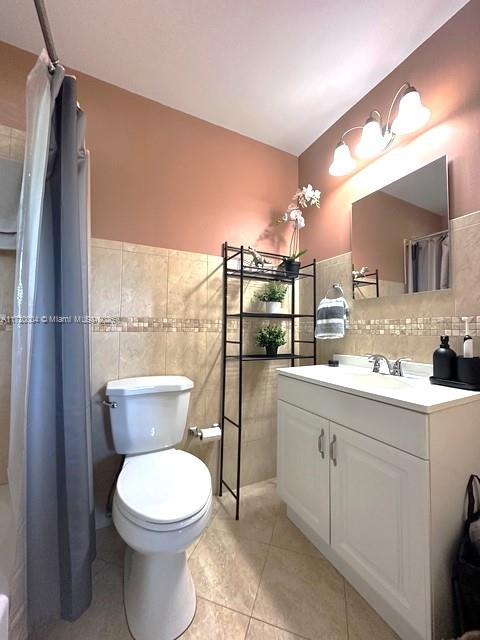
point(161, 313)
point(12, 142)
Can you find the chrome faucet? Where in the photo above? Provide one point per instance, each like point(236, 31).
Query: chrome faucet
point(394, 368)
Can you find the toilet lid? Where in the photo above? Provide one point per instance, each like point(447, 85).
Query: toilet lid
point(165, 486)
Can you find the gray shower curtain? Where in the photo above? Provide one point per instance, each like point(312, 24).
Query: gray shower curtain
point(53, 358)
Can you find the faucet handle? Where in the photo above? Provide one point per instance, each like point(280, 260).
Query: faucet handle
point(397, 365)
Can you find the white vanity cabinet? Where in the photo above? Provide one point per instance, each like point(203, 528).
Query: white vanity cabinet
point(303, 465)
point(379, 489)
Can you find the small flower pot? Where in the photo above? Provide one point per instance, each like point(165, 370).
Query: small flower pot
point(271, 349)
point(273, 307)
point(292, 268)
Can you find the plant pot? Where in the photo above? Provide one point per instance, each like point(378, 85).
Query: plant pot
point(292, 268)
point(273, 307)
point(271, 349)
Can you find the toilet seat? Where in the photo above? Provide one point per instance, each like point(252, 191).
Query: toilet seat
point(164, 490)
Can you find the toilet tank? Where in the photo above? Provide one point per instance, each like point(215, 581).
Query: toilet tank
point(148, 413)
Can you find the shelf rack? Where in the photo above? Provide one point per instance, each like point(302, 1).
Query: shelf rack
point(245, 273)
point(358, 283)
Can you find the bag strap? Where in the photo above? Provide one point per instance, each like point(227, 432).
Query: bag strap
point(471, 497)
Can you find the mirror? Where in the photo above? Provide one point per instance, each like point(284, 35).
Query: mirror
point(400, 235)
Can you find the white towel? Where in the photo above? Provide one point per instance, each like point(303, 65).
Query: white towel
point(332, 318)
point(10, 185)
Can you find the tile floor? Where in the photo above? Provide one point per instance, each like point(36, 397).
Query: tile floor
point(256, 579)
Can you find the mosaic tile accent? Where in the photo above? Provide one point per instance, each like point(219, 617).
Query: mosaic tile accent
point(142, 324)
point(120, 324)
point(421, 326)
point(449, 325)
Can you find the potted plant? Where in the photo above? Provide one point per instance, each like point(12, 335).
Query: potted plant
point(272, 294)
point(303, 198)
point(271, 336)
point(292, 264)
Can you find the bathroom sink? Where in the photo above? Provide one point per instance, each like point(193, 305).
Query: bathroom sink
point(372, 381)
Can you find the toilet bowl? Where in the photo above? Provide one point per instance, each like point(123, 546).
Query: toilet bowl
point(162, 503)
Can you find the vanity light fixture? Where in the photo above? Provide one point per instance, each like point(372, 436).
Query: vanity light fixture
point(376, 138)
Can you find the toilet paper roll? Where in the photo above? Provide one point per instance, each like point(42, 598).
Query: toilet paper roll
point(211, 433)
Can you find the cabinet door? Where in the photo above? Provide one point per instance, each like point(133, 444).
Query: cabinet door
point(303, 475)
point(379, 520)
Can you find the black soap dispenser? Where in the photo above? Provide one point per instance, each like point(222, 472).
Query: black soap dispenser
point(444, 361)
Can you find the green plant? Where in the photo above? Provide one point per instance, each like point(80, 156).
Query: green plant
point(272, 292)
point(271, 335)
point(296, 256)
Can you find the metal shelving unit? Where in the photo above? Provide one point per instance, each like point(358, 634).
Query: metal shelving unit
point(358, 283)
point(245, 273)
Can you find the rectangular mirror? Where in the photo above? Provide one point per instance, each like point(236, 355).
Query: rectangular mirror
point(400, 235)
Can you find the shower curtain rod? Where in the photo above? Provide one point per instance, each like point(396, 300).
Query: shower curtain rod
point(47, 33)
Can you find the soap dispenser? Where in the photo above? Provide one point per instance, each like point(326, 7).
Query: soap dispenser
point(467, 340)
point(444, 360)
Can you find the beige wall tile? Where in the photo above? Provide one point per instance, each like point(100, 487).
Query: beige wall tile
point(106, 244)
point(7, 281)
point(187, 287)
point(465, 221)
point(143, 248)
point(106, 277)
point(215, 287)
point(142, 354)
point(186, 356)
point(259, 460)
point(465, 260)
point(144, 284)
point(105, 366)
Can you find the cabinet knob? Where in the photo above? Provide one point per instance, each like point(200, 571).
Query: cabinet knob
point(321, 443)
point(333, 450)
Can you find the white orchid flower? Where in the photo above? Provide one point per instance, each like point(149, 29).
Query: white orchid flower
point(285, 217)
point(300, 222)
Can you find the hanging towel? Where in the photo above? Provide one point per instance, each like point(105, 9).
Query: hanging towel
point(10, 185)
point(332, 318)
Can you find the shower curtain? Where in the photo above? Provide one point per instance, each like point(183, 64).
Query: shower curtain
point(428, 263)
point(50, 465)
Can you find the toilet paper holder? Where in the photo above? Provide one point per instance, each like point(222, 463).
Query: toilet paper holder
point(212, 432)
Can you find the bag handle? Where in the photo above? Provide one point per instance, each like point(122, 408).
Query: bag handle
point(471, 497)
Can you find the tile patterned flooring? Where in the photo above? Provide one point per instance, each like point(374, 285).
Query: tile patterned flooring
point(256, 579)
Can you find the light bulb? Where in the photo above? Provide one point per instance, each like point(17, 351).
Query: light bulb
point(343, 162)
point(372, 141)
point(412, 115)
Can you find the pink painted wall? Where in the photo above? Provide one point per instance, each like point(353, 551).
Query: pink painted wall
point(446, 71)
point(380, 222)
point(162, 177)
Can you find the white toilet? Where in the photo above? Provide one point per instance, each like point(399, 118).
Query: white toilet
point(162, 502)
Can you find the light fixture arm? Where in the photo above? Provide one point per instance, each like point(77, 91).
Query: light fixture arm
point(348, 131)
point(405, 85)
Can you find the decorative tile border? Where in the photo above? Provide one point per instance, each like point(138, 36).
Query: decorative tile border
point(124, 325)
point(422, 326)
point(450, 325)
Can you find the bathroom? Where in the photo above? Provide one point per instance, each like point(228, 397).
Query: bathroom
point(194, 150)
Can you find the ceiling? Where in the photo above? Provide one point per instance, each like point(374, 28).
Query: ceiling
point(278, 71)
